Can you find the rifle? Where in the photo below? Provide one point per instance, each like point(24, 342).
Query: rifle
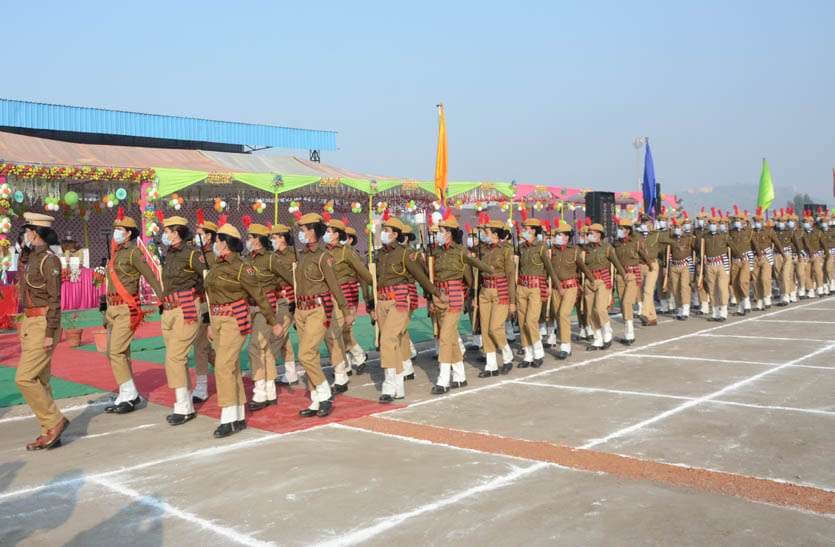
point(373, 270)
point(702, 263)
point(550, 294)
point(475, 323)
point(431, 263)
point(666, 271)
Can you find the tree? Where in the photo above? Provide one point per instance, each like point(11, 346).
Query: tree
point(799, 200)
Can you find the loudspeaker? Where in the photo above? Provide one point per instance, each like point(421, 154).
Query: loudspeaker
point(600, 206)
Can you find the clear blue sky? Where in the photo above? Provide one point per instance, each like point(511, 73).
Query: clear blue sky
point(535, 91)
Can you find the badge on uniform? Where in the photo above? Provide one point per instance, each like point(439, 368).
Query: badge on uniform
point(250, 270)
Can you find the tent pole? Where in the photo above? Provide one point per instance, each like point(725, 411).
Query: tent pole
point(275, 207)
point(370, 227)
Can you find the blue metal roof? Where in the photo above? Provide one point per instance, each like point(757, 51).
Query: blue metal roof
point(28, 115)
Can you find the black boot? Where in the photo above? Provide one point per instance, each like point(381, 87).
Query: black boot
point(507, 367)
point(562, 355)
point(180, 419)
point(339, 388)
point(439, 390)
point(255, 406)
point(524, 364)
point(409, 376)
point(455, 385)
point(385, 399)
point(124, 407)
point(537, 363)
point(224, 430)
point(325, 408)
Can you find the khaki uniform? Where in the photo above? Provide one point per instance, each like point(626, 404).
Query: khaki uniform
point(268, 270)
point(784, 265)
point(203, 353)
point(534, 273)
point(453, 268)
point(739, 243)
point(597, 297)
point(567, 264)
point(40, 297)
point(229, 284)
point(828, 241)
point(655, 243)
point(631, 253)
point(812, 245)
point(681, 258)
point(716, 275)
point(398, 267)
point(316, 287)
point(129, 264)
point(763, 243)
point(181, 273)
point(349, 269)
point(496, 294)
point(701, 289)
point(281, 345)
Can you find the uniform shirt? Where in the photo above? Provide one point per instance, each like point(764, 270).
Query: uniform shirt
point(655, 243)
point(500, 258)
point(828, 238)
point(182, 269)
point(763, 239)
point(739, 242)
point(398, 265)
point(533, 260)
point(682, 247)
point(811, 241)
point(631, 252)
point(41, 286)
point(599, 256)
point(268, 269)
point(567, 263)
point(715, 244)
point(285, 260)
point(349, 266)
point(130, 264)
point(787, 239)
point(231, 279)
point(209, 260)
point(451, 263)
point(314, 275)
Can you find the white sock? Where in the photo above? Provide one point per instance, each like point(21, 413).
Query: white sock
point(259, 391)
point(492, 363)
point(182, 403)
point(607, 333)
point(444, 374)
point(201, 387)
point(538, 352)
point(314, 398)
point(389, 382)
point(566, 348)
point(412, 349)
point(290, 375)
point(767, 300)
point(723, 311)
point(271, 394)
point(324, 391)
point(630, 330)
point(340, 378)
point(598, 338)
point(399, 387)
point(528, 354)
point(685, 310)
point(408, 367)
point(461, 345)
point(747, 303)
point(228, 414)
point(240, 412)
point(507, 354)
point(552, 339)
point(127, 392)
point(458, 373)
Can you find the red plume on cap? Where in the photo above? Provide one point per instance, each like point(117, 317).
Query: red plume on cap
point(746, 213)
point(782, 212)
point(326, 216)
point(297, 215)
point(703, 210)
point(588, 221)
point(468, 228)
point(736, 209)
point(221, 220)
point(820, 211)
point(386, 214)
point(345, 220)
point(270, 225)
point(516, 225)
point(663, 209)
point(546, 225)
point(675, 222)
point(524, 212)
point(713, 211)
point(160, 216)
point(759, 211)
point(579, 225)
point(617, 219)
point(557, 221)
point(120, 213)
point(447, 213)
point(201, 217)
point(684, 214)
point(246, 220)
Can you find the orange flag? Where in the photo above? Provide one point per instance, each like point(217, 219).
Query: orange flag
point(440, 158)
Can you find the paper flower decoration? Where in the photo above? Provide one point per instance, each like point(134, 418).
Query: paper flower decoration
point(411, 206)
point(71, 199)
point(110, 201)
point(537, 206)
point(153, 192)
point(220, 205)
point(6, 190)
point(121, 194)
point(176, 202)
point(52, 204)
point(381, 207)
point(259, 206)
point(19, 197)
point(437, 217)
point(436, 205)
point(480, 206)
point(504, 206)
point(5, 225)
point(356, 207)
point(294, 207)
point(328, 207)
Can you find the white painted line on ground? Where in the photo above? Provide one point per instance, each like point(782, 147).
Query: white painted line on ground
point(67, 409)
point(603, 357)
point(820, 309)
point(764, 338)
point(681, 358)
point(202, 453)
point(227, 533)
point(68, 438)
point(676, 397)
point(381, 525)
point(795, 321)
point(689, 404)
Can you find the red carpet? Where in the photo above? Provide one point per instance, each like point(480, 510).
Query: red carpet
point(93, 369)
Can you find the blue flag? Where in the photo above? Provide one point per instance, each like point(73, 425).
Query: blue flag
point(648, 188)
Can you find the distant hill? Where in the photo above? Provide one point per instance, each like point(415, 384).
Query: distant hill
point(744, 195)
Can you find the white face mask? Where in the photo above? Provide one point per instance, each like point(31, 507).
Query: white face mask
point(713, 228)
point(539, 237)
point(327, 238)
point(443, 238)
point(302, 237)
point(470, 242)
point(687, 227)
point(662, 224)
point(791, 224)
point(216, 250)
point(560, 240)
point(700, 223)
point(781, 225)
point(737, 225)
point(723, 228)
point(677, 231)
point(385, 237)
point(621, 233)
point(119, 236)
point(807, 225)
point(593, 238)
point(198, 240)
point(166, 239)
point(824, 226)
point(758, 225)
point(581, 240)
point(249, 245)
point(483, 237)
point(274, 244)
point(528, 235)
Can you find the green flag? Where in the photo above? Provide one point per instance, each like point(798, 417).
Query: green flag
point(766, 194)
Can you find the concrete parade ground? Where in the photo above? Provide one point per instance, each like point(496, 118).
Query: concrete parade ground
point(700, 433)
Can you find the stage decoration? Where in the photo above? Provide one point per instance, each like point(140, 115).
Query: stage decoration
point(411, 207)
point(153, 192)
point(110, 201)
point(328, 207)
point(121, 194)
point(79, 173)
point(5, 225)
point(259, 206)
point(52, 204)
point(294, 207)
point(176, 201)
point(356, 207)
point(220, 205)
point(71, 199)
point(19, 196)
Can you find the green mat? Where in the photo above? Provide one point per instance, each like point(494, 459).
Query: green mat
point(61, 389)
point(152, 350)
